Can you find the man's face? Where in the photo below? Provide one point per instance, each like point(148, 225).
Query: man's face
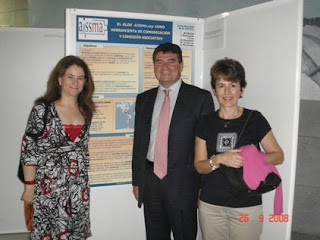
point(167, 68)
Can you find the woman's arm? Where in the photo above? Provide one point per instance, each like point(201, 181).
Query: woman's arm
point(29, 179)
point(201, 162)
point(29, 149)
point(273, 150)
point(203, 165)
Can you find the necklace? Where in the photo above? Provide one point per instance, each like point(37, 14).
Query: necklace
point(226, 123)
point(230, 119)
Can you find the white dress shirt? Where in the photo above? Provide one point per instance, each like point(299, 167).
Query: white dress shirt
point(173, 93)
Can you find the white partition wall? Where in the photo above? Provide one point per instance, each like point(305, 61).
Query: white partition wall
point(265, 38)
point(26, 58)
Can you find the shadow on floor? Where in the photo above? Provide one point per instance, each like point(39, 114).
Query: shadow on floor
point(301, 236)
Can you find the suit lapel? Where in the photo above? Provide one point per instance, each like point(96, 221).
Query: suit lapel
point(148, 107)
point(179, 108)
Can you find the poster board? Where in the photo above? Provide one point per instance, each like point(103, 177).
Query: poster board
point(119, 51)
point(262, 38)
point(29, 55)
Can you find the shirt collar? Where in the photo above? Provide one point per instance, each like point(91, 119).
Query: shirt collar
point(173, 88)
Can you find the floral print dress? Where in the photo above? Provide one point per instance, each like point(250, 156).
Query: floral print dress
point(62, 194)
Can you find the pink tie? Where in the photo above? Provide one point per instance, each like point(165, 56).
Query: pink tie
point(161, 147)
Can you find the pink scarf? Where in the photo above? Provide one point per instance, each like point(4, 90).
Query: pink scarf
point(256, 169)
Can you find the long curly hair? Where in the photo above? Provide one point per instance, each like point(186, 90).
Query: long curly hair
point(53, 93)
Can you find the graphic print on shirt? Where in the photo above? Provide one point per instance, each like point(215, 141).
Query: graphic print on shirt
point(226, 141)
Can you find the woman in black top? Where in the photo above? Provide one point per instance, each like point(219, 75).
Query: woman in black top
point(222, 215)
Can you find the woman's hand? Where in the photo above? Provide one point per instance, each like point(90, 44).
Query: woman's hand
point(231, 158)
point(29, 173)
point(28, 194)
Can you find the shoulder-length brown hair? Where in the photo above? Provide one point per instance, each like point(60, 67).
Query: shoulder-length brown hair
point(53, 93)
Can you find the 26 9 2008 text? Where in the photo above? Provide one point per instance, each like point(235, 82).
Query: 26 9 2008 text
point(271, 218)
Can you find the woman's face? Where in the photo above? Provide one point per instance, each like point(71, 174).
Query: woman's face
point(227, 93)
point(72, 81)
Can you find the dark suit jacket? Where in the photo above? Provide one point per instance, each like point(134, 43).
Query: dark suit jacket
point(183, 180)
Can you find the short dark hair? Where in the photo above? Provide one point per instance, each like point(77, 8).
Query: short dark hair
point(230, 69)
point(167, 48)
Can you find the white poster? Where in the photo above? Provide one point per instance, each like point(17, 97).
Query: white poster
point(119, 51)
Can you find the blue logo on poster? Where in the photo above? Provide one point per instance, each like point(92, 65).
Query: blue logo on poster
point(92, 28)
point(123, 30)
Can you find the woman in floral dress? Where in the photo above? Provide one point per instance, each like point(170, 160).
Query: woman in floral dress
point(55, 155)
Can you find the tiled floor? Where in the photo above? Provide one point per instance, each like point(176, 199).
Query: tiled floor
point(25, 236)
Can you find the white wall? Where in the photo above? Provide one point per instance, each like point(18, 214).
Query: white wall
point(267, 40)
point(27, 56)
point(48, 13)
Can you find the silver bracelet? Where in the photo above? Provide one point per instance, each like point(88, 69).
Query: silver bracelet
point(213, 167)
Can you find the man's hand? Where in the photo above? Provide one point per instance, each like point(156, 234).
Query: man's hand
point(136, 192)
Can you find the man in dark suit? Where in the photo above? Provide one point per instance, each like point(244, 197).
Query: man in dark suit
point(170, 201)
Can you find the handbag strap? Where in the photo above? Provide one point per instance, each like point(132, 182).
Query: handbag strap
point(45, 118)
point(244, 126)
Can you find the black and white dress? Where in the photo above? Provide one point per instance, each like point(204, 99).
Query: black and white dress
point(62, 193)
